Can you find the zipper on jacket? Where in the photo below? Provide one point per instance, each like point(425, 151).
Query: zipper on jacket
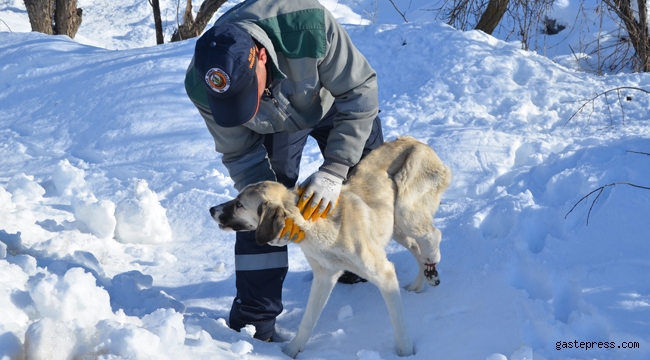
point(268, 93)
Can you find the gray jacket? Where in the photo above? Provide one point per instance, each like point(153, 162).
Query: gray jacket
point(314, 66)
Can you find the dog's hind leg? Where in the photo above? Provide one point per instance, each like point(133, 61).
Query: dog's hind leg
point(408, 242)
point(385, 279)
point(321, 288)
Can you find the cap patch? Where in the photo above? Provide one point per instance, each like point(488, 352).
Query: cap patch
point(217, 79)
point(251, 56)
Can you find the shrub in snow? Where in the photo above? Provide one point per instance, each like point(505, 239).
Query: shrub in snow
point(48, 339)
point(73, 299)
point(24, 189)
point(67, 178)
point(141, 219)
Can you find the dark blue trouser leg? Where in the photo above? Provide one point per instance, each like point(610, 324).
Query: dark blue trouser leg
point(260, 270)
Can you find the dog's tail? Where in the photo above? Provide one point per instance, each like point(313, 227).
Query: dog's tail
point(421, 175)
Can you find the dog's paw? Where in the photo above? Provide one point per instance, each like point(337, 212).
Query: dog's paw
point(431, 274)
point(405, 352)
point(292, 349)
point(405, 347)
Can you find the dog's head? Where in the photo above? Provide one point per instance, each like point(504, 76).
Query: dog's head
point(258, 207)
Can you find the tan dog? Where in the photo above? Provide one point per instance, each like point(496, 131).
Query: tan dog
point(393, 192)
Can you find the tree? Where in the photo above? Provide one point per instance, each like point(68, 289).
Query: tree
point(54, 17)
point(155, 4)
point(636, 29)
point(192, 27)
point(40, 15)
point(492, 16)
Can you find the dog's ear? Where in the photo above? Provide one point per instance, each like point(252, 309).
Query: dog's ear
point(272, 216)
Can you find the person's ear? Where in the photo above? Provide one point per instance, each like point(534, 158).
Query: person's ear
point(262, 56)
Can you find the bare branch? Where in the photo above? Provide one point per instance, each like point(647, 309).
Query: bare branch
point(638, 152)
point(192, 27)
point(600, 191)
point(6, 25)
point(403, 15)
point(604, 94)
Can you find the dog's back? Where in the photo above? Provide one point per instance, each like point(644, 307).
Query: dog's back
point(417, 174)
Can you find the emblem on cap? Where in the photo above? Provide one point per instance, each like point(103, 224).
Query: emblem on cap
point(217, 79)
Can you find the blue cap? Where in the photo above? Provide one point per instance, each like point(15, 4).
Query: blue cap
point(226, 57)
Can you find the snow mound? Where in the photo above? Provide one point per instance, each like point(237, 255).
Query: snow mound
point(141, 219)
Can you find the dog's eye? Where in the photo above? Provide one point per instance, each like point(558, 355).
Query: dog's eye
point(238, 205)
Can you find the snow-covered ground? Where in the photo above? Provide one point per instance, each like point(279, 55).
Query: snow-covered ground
point(107, 172)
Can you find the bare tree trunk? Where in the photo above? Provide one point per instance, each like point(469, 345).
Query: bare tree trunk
point(67, 18)
point(194, 27)
point(492, 15)
point(637, 30)
point(644, 45)
point(186, 29)
point(54, 16)
point(40, 15)
point(155, 4)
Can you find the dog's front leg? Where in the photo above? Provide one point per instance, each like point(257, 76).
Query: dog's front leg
point(321, 288)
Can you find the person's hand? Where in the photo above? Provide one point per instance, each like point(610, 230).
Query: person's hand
point(319, 195)
point(292, 231)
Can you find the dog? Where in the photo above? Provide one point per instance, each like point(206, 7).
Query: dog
point(393, 192)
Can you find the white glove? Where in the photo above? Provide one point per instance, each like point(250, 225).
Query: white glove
point(319, 195)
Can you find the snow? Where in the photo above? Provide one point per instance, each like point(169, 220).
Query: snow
point(107, 173)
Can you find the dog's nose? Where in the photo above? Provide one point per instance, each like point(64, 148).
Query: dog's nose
point(213, 210)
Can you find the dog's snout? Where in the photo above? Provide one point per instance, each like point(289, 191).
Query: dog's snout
point(213, 210)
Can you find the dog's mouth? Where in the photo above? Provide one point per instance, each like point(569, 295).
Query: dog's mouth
point(224, 227)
